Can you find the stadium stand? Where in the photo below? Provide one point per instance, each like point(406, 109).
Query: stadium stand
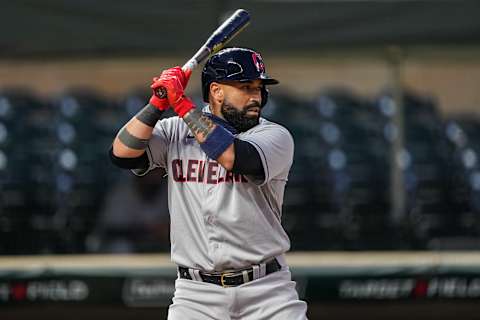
point(337, 196)
point(85, 124)
point(19, 172)
point(425, 165)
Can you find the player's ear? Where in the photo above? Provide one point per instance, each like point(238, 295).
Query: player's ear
point(216, 92)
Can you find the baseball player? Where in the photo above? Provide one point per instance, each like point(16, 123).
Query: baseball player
point(227, 169)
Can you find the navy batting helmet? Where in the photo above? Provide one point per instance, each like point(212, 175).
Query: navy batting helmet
point(235, 64)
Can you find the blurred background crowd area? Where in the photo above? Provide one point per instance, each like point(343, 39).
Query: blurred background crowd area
point(381, 97)
point(61, 194)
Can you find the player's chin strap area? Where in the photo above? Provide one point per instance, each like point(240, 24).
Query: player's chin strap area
point(231, 278)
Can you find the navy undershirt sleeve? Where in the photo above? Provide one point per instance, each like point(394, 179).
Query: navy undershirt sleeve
point(247, 159)
point(129, 163)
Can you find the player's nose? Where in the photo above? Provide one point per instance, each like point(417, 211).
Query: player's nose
point(256, 96)
point(254, 105)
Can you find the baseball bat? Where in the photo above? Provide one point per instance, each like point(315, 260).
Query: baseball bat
point(217, 40)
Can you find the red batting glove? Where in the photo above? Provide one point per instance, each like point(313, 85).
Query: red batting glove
point(183, 76)
point(155, 100)
point(163, 103)
point(174, 81)
point(183, 106)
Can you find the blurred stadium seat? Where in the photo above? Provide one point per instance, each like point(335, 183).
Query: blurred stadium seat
point(425, 164)
point(25, 155)
point(463, 135)
point(357, 164)
point(85, 126)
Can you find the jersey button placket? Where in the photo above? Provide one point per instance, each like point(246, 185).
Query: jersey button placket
point(210, 220)
point(212, 173)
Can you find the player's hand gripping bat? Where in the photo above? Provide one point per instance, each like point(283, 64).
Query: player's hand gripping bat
point(224, 33)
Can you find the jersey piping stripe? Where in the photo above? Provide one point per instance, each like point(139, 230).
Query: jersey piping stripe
point(165, 133)
point(151, 165)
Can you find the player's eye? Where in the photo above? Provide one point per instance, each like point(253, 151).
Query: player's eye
point(255, 89)
point(250, 89)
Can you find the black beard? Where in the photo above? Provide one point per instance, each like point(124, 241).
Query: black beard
point(239, 118)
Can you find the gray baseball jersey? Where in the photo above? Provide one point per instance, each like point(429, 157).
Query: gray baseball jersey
point(221, 220)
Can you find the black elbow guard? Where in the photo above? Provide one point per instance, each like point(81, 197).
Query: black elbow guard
point(141, 162)
point(247, 159)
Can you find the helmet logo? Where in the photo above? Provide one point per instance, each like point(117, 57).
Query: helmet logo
point(258, 62)
point(237, 66)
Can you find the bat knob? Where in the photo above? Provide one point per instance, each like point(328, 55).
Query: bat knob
point(161, 92)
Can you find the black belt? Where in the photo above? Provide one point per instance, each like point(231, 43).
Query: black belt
point(231, 278)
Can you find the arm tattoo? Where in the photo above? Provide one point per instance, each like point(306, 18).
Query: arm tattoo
point(200, 125)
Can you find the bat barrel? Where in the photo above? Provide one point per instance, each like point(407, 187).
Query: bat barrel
point(225, 32)
point(228, 29)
